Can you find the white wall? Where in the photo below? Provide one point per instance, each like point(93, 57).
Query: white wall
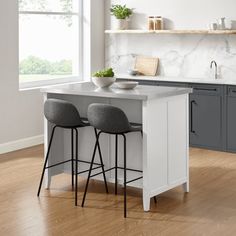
point(94, 38)
point(180, 14)
point(21, 114)
point(180, 55)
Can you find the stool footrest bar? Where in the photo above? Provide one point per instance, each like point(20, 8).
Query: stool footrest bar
point(87, 162)
point(122, 168)
point(134, 180)
point(60, 163)
point(102, 172)
point(63, 162)
point(84, 171)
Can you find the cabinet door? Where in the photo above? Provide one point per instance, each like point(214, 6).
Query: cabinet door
point(231, 119)
point(205, 121)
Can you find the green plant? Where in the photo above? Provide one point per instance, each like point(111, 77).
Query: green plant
point(36, 66)
point(104, 73)
point(121, 12)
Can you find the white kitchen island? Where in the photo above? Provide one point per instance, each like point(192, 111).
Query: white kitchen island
point(163, 151)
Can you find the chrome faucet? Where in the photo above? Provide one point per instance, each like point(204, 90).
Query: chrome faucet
point(214, 62)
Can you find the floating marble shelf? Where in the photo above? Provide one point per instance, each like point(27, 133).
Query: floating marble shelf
point(170, 31)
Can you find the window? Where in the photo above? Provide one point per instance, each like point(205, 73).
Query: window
point(48, 41)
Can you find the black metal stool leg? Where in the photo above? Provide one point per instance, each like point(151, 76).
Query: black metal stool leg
point(46, 160)
point(72, 158)
point(76, 167)
point(90, 169)
point(116, 162)
point(100, 156)
point(125, 203)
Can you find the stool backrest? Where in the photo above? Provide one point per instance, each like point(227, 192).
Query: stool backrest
point(62, 113)
point(108, 118)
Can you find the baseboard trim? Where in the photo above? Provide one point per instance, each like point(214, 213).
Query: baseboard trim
point(21, 144)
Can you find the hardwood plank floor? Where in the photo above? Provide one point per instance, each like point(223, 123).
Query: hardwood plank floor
point(209, 208)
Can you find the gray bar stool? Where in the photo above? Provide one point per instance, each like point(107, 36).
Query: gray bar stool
point(63, 114)
point(111, 120)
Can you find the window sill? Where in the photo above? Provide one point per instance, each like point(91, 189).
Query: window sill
point(41, 84)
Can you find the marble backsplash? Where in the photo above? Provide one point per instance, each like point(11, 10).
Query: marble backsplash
point(180, 55)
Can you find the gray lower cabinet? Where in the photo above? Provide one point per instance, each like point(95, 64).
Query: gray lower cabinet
point(212, 114)
point(205, 116)
point(231, 118)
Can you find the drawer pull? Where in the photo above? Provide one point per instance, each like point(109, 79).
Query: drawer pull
point(206, 89)
point(191, 118)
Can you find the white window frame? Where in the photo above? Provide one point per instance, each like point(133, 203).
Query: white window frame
point(71, 79)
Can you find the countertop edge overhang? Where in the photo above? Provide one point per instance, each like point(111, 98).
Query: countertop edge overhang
point(141, 92)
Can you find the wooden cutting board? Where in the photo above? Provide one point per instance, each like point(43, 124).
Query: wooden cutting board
point(146, 65)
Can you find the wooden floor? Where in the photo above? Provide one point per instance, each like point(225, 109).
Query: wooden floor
point(209, 208)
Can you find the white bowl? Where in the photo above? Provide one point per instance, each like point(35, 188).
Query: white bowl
point(102, 82)
point(127, 85)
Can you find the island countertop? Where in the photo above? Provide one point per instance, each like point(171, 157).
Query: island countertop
point(141, 92)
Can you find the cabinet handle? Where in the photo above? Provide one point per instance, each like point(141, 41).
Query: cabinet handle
point(191, 114)
point(233, 91)
point(206, 89)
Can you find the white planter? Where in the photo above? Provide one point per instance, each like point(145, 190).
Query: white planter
point(102, 82)
point(121, 24)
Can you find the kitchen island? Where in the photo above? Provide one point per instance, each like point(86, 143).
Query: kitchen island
point(162, 153)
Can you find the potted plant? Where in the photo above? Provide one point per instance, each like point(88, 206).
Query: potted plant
point(104, 78)
point(122, 14)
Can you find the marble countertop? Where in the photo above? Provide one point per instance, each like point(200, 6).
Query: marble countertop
point(139, 93)
point(179, 79)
